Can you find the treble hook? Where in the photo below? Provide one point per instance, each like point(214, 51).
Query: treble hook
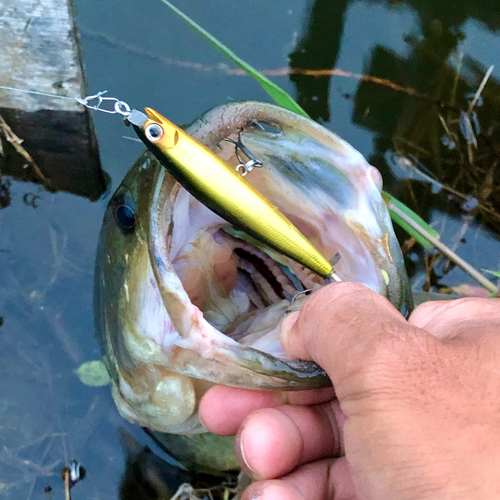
point(119, 107)
point(244, 168)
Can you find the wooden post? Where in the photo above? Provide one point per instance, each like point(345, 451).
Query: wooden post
point(40, 51)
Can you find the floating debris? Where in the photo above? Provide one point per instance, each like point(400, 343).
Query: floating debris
point(475, 122)
point(16, 142)
point(470, 98)
point(93, 373)
point(72, 474)
point(448, 143)
point(466, 128)
point(409, 168)
point(31, 200)
point(470, 203)
point(480, 89)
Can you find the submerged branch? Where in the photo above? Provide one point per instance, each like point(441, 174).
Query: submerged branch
point(16, 142)
point(480, 89)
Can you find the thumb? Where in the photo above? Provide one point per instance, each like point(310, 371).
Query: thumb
point(345, 328)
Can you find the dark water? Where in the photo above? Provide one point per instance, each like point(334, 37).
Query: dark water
point(137, 51)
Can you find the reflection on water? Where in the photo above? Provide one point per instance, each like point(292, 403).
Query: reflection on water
point(318, 48)
point(47, 244)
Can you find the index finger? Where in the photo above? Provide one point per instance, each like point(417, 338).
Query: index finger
point(223, 409)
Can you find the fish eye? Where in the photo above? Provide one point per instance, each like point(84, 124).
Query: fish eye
point(124, 213)
point(154, 132)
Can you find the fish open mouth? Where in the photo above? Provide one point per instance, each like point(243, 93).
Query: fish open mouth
point(213, 298)
point(324, 187)
point(242, 287)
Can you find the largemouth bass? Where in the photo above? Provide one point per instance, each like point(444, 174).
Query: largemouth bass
point(183, 300)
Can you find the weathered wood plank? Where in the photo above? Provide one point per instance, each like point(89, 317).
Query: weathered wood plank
point(40, 51)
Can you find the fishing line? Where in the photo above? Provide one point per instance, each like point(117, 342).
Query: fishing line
point(117, 106)
point(38, 93)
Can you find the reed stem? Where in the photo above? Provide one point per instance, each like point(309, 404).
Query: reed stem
point(461, 263)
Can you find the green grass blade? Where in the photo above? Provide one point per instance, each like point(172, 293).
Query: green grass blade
point(412, 215)
point(279, 96)
point(495, 273)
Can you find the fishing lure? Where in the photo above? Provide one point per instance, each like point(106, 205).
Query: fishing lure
point(222, 189)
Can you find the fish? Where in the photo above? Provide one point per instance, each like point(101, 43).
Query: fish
point(221, 188)
point(184, 300)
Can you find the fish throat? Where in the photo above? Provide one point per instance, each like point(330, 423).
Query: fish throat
point(239, 287)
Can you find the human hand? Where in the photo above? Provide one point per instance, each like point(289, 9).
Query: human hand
point(418, 408)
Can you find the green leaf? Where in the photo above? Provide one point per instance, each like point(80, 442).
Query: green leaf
point(93, 373)
point(412, 215)
point(279, 96)
point(495, 273)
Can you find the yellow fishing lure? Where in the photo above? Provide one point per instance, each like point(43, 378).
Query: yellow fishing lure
point(222, 189)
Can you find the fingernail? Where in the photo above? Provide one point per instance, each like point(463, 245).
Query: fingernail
point(288, 322)
point(255, 492)
point(240, 449)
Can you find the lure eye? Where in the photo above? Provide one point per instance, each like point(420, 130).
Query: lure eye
point(124, 213)
point(154, 132)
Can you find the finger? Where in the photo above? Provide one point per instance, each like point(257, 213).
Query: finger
point(327, 479)
point(449, 319)
point(347, 329)
point(223, 409)
point(274, 441)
